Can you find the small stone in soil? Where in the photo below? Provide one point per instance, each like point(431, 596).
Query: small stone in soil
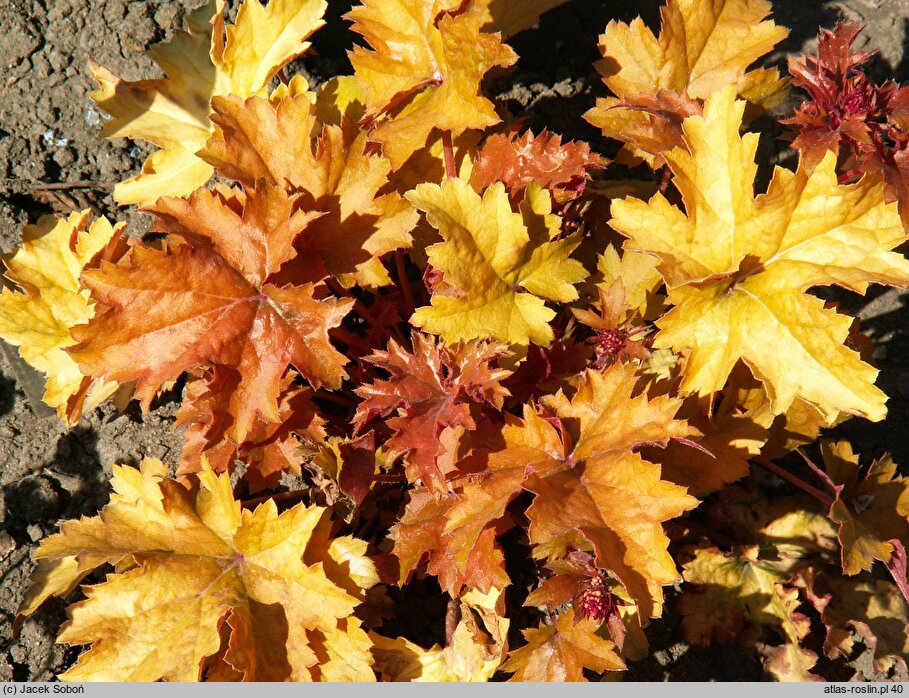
point(7, 544)
point(92, 116)
point(35, 532)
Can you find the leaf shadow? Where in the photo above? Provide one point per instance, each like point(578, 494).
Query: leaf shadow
point(883, 312)
point(425, 628)
point(670, 659)
point(71, 484)
point(901, 69)
point(7, 395)
point(556, 80)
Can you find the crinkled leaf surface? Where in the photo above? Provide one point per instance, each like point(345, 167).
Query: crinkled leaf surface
point(209, 300)
point(737, 267)
point(38, 320)
point(270, 448)
point(626, 288)
point(200, 559)
point(430, 390)
point(637, 276)
point(702, 47)
point(421, 531)
point(848, 113)
point(257, 139)
point(423, 71)
point(173, 112)
point(518, 160)
point(498, 265)
point(588, 480)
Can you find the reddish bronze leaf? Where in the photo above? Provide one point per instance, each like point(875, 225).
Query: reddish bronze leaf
point(582, 465)
point(421, 531)
point(430, 390)
point(270, 448)
point(519, 160)
point(205, 298)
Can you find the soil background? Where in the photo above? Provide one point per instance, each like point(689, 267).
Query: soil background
point(50, 136)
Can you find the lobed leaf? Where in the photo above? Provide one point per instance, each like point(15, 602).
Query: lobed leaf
point(269, 449)
point(499, 264)
point(562, 651)
point(737, 267)
point(423, 70)
point(430, 391)
point(872, 511)
point(587, 480)
point(738, 589)
point(702, 48)
point(199, 559)
point(206, 61)
point(259, 139)
point(519, 160)
point(209, 301)
point(52, 300)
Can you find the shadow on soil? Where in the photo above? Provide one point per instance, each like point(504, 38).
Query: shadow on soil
point(68, 486)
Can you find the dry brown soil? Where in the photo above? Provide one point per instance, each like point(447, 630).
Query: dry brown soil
point(49, 134)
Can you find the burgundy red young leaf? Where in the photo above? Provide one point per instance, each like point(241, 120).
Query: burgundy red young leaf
point(865, 122)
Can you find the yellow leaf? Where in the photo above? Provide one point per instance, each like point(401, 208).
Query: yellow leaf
point(737, 267)
point(639, 280)
point(501, 264)
point(509, 17)
point(871, 511)
point(201, 558)
point(47, 268)
point(53, 578)
point(348, 652)
point(560, 652)
point(425, 68)
point(702, 48)
point(340, 99)
point(477, 646)
point(173, 113)
point(798, 426)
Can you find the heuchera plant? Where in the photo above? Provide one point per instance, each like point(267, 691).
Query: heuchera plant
point(489, 357)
